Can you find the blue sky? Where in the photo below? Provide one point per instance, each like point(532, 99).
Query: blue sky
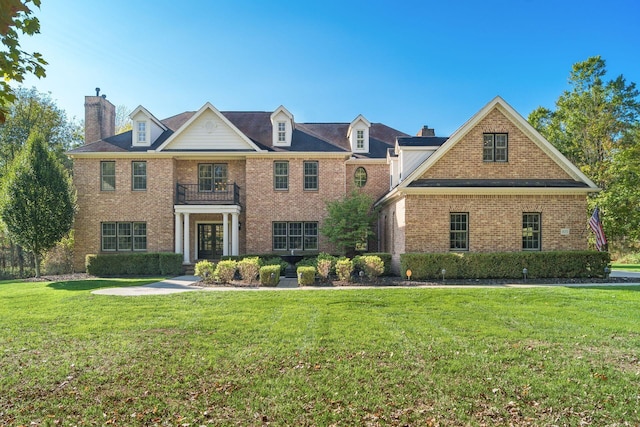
point(402, 63)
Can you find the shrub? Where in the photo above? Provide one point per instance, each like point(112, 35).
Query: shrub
point(505, 265)
point(326, 265)
point(324, 268)
point(276, 260)
point(386, 260)
point(131, 264)
point(170, 264)
point(270, 275)
point(226, 270)
point(344, 268)
point(249, 268)
point(306, 275)
point(206, 270)
point(372, 265)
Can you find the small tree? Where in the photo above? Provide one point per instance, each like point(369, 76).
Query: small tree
point(349, 222)
point(38, 202)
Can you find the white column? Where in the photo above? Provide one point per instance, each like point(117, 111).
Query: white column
point(225, 234)
point(187, 244)
point(178, 233)
point(234, 234)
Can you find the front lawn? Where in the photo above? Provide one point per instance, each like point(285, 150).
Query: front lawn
point(482, 356)
point(626, 267)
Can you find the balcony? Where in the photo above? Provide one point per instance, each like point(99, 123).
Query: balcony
point(193, 194)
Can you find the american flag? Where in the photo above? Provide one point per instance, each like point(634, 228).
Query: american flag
point(596, 226)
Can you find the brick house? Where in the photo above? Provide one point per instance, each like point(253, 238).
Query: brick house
point(209, 183)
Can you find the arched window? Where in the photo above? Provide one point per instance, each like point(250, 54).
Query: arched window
point(360, 177)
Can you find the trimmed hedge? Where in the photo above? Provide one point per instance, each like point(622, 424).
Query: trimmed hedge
point(306, 275)
point(266, 278)
point(505, 265)
point(170, 264)
point(134, 264)
point(386, 259)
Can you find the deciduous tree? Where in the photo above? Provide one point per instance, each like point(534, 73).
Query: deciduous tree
point(591, 119)
point(16, 17)
point(32, 111)
point(38, 201)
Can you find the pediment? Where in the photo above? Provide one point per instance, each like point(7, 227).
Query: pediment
point(208, 130)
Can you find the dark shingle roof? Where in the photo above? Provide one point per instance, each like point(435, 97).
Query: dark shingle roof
point(256, 125)
point(421, 141)
point(536, 183)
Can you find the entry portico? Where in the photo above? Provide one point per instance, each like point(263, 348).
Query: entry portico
point(230, 229)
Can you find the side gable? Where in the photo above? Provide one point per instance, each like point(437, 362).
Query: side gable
point(530, 156)
point(208, 130)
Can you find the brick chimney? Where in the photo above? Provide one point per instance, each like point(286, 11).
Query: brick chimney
point(426, 131)
point(99, 118)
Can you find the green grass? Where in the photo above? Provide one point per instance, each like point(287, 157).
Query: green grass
point(626, 267)
point(447, 357)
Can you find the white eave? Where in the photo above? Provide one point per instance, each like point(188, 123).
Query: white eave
point(522, 124)
point(209, 107)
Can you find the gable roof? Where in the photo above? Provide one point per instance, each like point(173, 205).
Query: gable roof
point(517, 120)
point(208, 107)
point(256, 127)
point(146, 112)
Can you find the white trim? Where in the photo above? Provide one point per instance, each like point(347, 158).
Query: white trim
point(517, 120)
point(208, 107)
point(146, 112)
point(210, 209)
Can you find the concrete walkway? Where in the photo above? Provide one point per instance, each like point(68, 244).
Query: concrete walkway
point(191, 283)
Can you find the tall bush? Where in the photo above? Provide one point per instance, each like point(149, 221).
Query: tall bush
point(226, 270)
point(270, 275)
point(344, 269)
point(249, 268)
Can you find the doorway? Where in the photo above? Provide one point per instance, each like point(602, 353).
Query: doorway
point(210, 241)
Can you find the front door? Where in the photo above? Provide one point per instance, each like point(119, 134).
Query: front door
point(209, 241)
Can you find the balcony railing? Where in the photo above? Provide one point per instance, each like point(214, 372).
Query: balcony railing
point(192, 194)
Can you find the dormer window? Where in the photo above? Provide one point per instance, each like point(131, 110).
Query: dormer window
point(141, 128)
point(358, 135)
point(360, 139)
point(282, 125)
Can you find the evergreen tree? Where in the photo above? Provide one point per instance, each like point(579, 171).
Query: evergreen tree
point(38, 201)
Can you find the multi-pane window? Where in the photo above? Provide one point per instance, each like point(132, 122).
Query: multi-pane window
point(495, 147)
point(310, 175)
point(212, 177)
point(282, 132)
point(459, 232)
point(139, 175)
point(123, 236)
point(360, 177)
point(531, 232)
point(108, 176)
point(289, 236)
point(360, 139)
point(281, 175)
point(142, 132)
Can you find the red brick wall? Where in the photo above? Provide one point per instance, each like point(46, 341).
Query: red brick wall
point(495, 221)
point(153, 206)
point(525, 158)
point(265, 205)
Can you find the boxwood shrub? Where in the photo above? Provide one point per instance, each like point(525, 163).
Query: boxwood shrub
point(134, 264)
point(505, 265)
point(386, 259)
point(306, 275)
point(270, 275)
